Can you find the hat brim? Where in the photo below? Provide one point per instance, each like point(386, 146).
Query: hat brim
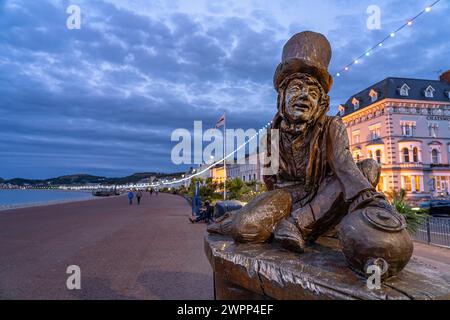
point(296, 65)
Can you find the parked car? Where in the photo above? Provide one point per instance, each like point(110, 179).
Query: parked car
point(437, 207)
point(222, 207)
point(105, 192)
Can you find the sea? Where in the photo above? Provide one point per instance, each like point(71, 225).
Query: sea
point(11, 198)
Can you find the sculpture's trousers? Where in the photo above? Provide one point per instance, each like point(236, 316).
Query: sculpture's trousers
point(312, 220)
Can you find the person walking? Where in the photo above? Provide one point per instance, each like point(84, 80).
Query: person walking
point(151, 191)
point(130, 197)
point(139, 196)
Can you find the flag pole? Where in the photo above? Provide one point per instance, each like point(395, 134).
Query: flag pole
point(224, 157)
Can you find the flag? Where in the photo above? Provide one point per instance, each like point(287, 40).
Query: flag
point(220, 122)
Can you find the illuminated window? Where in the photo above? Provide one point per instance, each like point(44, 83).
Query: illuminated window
point(417, 183)
point(380, 184)
point(408, 186)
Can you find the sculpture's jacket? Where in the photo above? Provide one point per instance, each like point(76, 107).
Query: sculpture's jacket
point(306, 160)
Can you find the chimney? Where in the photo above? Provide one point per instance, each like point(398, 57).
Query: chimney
point(445, 76)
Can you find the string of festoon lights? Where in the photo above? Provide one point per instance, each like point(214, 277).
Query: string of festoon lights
point(380, 44)
point(346, 68)
point(175, 181)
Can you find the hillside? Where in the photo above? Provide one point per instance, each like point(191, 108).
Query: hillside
point(82, 179)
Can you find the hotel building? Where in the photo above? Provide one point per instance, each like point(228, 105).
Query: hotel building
point(404, 124)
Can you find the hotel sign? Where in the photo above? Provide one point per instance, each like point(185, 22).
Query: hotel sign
point(439, 118)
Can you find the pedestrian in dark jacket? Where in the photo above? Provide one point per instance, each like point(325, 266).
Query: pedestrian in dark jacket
point(139, 196)
point(206, 214)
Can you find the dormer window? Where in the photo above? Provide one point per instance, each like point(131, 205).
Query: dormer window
point(373, 95)
point(429, 92)
point(341, 110)
point(404, 90)
point(355, 103)
point(447, 93)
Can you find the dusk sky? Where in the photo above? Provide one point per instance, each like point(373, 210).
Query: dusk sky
point(105, 99)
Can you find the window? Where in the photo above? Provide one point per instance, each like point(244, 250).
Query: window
point(429, 92)
point(355, 103)
point(378, 156)
point(434, 129)
point(404, 90)
point(375, 131)
point(408, 186)
point(355, 136)
point(341, 110)
point(415, 155)
point(380, 185)
point(357, 157)
point(434, 156)
point(370, 154)
point(417, 183)
point(408, 128)
point(405, 152)
point(243, 178)
point(373, 95)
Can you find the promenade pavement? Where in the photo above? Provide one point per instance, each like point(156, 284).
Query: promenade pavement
point(150, 251)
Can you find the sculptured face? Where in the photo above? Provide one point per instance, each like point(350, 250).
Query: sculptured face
point(301, 100)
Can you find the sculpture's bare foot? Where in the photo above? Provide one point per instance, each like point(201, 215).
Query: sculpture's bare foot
point(289, 236)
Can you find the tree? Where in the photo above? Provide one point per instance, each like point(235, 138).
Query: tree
point(414, 218)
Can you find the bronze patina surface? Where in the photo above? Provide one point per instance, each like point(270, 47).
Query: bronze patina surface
point(267, 271)
point(318, 185)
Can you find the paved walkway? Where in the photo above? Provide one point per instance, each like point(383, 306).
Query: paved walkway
point(150, 251)
point(434, 256)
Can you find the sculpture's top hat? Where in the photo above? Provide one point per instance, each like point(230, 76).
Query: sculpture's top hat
point(306, 52)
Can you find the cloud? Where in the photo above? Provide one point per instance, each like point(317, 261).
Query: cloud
point(105, 99)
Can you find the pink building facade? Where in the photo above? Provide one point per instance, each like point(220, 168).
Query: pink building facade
point(404, 124)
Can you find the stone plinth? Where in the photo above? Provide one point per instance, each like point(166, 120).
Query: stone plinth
point(250, 271)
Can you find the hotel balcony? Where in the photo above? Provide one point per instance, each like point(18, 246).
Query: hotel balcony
point(440, 165)
point(412, 165)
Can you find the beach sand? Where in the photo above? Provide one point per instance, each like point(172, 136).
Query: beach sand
point(149, 251)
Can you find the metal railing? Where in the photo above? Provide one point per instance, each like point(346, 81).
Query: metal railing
point(434, 231)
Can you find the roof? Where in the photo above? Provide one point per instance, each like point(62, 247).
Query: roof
point(388, 88)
